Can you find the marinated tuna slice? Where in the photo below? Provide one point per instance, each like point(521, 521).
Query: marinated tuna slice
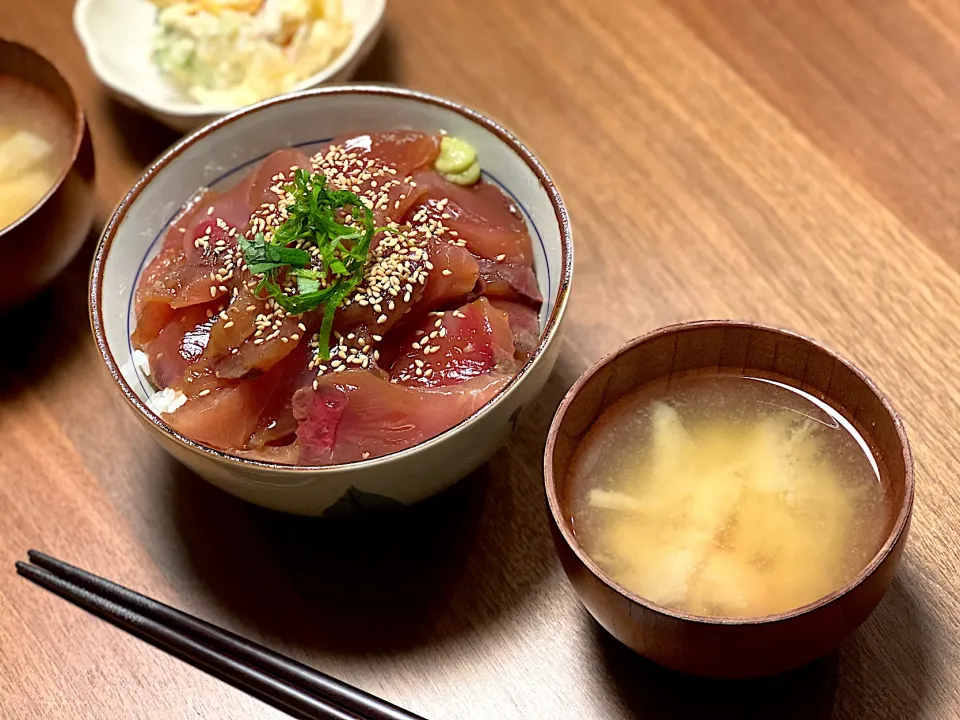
point(450, 283)
point(377, 168)
point(186, 218)
point(525, 325)
point(216, 217)
point(232, 326)
point(394, 280)
point(454, 275)
point(355, 415)
point(276, 429)
point(225, 416)
point(481, 215)
point(178, 345)
point(507, 281)
point(276, 424)
point(152, 317)
point(405, 150)
point(262, 353)
point(194, 270)
point(169, 282)
point(454, 346)
point(265, 186)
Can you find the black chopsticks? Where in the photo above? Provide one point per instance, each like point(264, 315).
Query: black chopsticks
point(286, 684)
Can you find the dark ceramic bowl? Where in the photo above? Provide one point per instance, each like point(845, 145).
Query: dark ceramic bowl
point(730, 647)
point(44, 240)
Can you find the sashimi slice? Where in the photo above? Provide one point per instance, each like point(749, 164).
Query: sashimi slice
point(151, 319)
point(214, 217)
point(405, 150)
point(454, 275)
point(224, 415)
point(273, 173)
point(276, 422)
point(377, 167)
point(525, 324)
point(186, 217)
point(394, 280)
point(234, 325)
point(481, 215)
point(355, 415)
point(454, 346)
point(183, 273)
point(507, 281)
point(170, 280)
point(178, 345)
point(223, 418)
point(260, 356)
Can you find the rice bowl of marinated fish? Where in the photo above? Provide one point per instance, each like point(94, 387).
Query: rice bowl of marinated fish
point(358, 305)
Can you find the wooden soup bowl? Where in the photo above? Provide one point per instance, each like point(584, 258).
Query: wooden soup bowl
point(43, 241)
point(730, 647)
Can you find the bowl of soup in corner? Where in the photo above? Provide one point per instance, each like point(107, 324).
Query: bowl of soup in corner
point(728, 499)
point(46, 172)
point(335, 300)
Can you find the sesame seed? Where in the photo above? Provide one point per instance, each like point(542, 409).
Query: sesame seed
point(228, 325)
point(501, 257)
point(203, 393)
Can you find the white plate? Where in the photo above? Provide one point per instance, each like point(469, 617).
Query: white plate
point(117, 37)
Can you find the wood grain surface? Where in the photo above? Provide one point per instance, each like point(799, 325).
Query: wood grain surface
point(788, 161)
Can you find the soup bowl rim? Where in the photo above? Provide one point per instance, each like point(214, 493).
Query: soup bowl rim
point(551, 480)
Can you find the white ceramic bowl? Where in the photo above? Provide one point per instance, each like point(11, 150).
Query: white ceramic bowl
point(117, 37)
point(220, 154)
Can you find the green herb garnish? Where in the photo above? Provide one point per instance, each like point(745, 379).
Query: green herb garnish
point(294, 274)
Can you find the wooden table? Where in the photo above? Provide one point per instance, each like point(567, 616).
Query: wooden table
point(790, 161)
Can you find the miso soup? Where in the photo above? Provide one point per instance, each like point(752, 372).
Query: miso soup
point(723, 495)
point(36, 136)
